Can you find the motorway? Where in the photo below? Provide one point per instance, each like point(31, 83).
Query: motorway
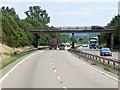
point(56, 69)
point(97, 52)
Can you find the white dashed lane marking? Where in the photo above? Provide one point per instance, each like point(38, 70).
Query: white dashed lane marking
point(55, 71)
point(53, 67)
point(58, 78)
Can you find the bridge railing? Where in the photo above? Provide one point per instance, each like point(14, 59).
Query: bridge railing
point(60, 28)
point(74, 28)
point(106, 61)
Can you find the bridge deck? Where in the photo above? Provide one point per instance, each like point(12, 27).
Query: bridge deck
point(72, 31)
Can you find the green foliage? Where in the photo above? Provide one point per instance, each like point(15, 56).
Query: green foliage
point(107, 68)
point(15, 32)
point(63, 38)
point(37, 16)
point(44, 38)
point(11, 59)
point(114, 24)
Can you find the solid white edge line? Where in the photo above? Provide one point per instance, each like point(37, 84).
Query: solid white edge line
point(101, 72)
point(16, 66)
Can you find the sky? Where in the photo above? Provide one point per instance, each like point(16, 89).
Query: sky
point(70, 12)
point(119, 7)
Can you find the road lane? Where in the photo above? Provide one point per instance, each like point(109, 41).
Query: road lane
point(35, 72)
point(75, 74)
point(56, 69)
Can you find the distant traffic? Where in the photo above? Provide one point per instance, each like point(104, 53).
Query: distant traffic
point(53, 44)
point(93, 27)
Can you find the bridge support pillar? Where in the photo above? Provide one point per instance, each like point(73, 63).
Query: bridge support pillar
point(73, 41)
point(112, 40)
point(35, 38)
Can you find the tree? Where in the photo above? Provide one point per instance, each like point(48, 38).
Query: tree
point(15, 32)
point(37, 15)
point(114, 24)
point(12, 33)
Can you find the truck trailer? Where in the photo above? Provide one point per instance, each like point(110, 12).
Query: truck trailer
point(53, 42)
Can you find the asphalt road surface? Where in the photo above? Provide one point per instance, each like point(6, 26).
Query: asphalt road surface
point(56, 69)
point(97, 52)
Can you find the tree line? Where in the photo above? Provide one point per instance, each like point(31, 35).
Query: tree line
point(15, 30)
point(114, 24)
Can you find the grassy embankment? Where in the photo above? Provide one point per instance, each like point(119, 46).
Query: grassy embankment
point(8, 56)
point(11, 59)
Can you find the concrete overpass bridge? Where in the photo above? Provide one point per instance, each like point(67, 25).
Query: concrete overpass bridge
point(86, 29)
point(71, 30)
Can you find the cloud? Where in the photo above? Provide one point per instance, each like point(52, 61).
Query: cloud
point(71, 13)
point(83, 16)
point(84, 11)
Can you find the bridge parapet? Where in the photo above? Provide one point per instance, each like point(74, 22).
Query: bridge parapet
point(82, 29)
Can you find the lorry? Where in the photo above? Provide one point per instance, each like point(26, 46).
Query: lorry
point(53, 42)
point(93, 42)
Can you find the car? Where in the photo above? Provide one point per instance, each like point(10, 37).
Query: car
point(105, 52)
point(85, 45)
point(61, 47)
point(68, 45)
point(96, 27)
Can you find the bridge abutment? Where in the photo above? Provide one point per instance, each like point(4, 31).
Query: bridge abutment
point(35, 39)
point(73, 46)
point(112, 40)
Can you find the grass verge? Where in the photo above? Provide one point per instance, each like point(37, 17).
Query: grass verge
point(94, 63)
point(12, 58)
point(107, 69)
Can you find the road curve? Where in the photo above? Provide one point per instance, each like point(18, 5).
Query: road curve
point(56, 69)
